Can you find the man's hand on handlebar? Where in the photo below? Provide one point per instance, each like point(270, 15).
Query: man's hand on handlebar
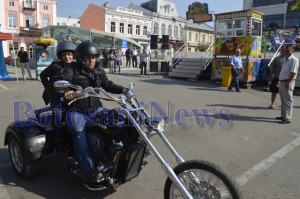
point(70, 95)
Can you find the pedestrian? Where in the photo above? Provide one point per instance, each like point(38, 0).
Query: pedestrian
point(69, 38)
point(105, 57)
point(128, 55)
point(287, 78)
point(77, 41)
point(134, 58)
point(143, 62)
point(274, 75)
point(111, 60)
point(24, 58)
point(236, 67)
point(118, 60)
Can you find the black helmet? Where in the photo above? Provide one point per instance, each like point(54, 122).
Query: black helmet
point(86, 48)
point(65, 46)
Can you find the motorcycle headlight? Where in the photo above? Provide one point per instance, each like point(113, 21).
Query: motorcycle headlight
point(159, 123)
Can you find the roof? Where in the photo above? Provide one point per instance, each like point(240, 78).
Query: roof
point(4, 36)
point(202, 26)
point(137, 7)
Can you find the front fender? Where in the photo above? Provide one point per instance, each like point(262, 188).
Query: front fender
point(32, 137)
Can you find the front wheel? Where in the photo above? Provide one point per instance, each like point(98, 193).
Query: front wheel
point(22, 162)
point(203, 180)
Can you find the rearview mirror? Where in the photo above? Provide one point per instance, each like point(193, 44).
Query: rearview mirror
point(61, 84)
point(66, 84)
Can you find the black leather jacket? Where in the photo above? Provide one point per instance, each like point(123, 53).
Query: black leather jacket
point(94, 78)
point(55, 71)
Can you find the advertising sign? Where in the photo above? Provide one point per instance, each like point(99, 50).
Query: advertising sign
point(198, 12)
point(250, 46)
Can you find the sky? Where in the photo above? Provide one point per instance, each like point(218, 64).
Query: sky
point(75, 8)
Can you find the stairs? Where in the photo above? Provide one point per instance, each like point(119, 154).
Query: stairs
point(189, 68)
point(192, 65)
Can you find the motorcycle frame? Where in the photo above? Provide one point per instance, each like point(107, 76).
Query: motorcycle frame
point(146, 138)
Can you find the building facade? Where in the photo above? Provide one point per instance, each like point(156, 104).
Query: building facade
point(24, 19)
point(198, 36)
point(138, 22)
point(277, 13)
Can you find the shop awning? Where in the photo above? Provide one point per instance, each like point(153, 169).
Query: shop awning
point(4, 36)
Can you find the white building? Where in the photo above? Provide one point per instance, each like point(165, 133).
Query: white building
point(67, 21)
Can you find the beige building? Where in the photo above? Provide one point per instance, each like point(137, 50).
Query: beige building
point(198, 36)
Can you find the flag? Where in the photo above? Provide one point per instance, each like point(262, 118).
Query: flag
point(148, 33)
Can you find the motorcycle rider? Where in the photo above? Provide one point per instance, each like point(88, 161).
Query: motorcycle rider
point(87, 73)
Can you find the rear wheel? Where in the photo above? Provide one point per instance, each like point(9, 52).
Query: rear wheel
point(22, 162)
point(203, 180)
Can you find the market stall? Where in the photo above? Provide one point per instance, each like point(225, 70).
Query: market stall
point(243, 30)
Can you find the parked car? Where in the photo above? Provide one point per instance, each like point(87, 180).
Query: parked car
point(7, 60)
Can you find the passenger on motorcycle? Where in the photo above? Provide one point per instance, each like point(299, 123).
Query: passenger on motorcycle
point(87, 73)
point(58, 70)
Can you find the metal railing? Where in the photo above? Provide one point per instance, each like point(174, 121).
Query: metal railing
point(178, 55)
point(207, 57)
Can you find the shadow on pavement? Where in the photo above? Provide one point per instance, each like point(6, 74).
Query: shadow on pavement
point(53, 181)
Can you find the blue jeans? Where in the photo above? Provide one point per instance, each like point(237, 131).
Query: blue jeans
point(235, 79)
point(76, 123)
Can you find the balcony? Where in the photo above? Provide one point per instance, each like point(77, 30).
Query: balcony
point(31, 31)
point(30, 6)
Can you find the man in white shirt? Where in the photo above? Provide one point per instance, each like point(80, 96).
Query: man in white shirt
point(236, 67)
point(134, 58)
point(287, 78)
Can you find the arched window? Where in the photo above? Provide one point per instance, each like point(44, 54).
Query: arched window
point(12, 20)
point(156, 28)
point(170, 30)
point(163, 29)
point(176, 31)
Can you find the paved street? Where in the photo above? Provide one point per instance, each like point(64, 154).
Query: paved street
point(262, 155)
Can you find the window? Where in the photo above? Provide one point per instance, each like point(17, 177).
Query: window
point(11, 2)
point(121, 29)
point(12, 20)
point(204, 38)
point(45, 7)
point(176, 31)
point(113, 26)
point(167, 9)
point(129, 28)
point(256, 27)
point(145, 30)
point(74, 24)
point(30, 50)
point(29, 21)
point(45, 21)
point(190, 36)
point(156, 28)
point(63, 23)
point(196, 37)
point(181, 32)
point(170, 30)
point(138, 30)
point(163, 29)
point(210, 39)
